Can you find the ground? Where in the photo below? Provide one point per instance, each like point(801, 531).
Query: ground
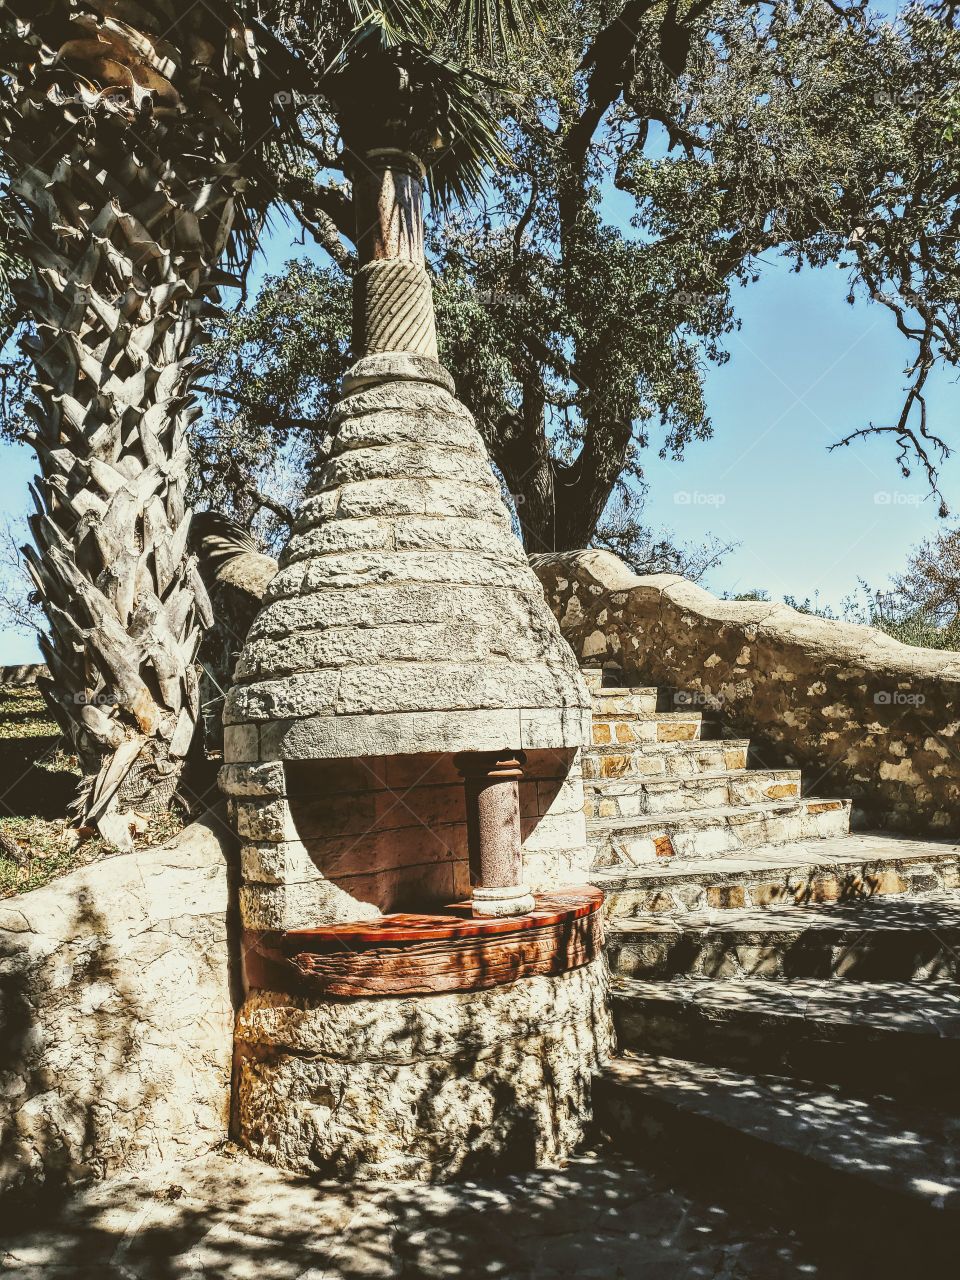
point(38, 779)
point(228, 1217)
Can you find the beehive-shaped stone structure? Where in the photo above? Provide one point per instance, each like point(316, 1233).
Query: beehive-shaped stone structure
point(405, 626)
point(402, 757)
point(405, 616)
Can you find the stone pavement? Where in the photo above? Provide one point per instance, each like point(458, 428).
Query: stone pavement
point(227, 1217)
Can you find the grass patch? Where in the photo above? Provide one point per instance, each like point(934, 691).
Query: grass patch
point(38, 779)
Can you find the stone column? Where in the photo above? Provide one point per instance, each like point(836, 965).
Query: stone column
point(491, 782)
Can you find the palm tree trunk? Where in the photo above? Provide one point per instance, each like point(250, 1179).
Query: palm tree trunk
point(122, 228)
point(392, 295)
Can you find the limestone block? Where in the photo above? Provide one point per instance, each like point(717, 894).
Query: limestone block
point(267, 779)
point(340, 737)
point(423, 1087)
point(548, 869)
point(117, 1016)
point(441, 426)
point(365, 498)
point(282, 862)
point(362, 569)
point(388, 373)
point(269, 820)
point(446, 686)
point(302, 905)
point(458, 534)
point(349, 646)
point(241, 743)
point(337, 535)
point(556, 831)
point(286, 583)
point(411, 462)
point(311, 692)
point(554, 727)
point(384, 606)
point(556, 795)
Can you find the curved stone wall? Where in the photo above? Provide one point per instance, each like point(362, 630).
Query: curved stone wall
point(862, 714)
point(428, 1088)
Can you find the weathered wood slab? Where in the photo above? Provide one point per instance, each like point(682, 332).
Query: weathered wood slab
point(422, 954)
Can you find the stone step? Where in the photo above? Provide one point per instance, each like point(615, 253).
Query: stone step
point(627, 798)
point(626, 702)
point(665, 759)
point(656, 726)
point(881, 940)
point(881, 1177)
point(704, 833)
point(844, 868)
point(877, 1038)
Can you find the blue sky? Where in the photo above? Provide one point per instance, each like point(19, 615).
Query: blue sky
point(805, 368)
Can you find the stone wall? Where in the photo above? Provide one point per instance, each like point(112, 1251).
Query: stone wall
point(863, 715)
point(24, 674)
point(117, 1016)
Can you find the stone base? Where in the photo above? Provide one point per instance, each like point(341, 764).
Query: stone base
point(424, 1087)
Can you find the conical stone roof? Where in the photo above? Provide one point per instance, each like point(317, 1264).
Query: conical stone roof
point(405, 616)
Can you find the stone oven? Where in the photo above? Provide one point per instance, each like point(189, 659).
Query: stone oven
point(424, 984)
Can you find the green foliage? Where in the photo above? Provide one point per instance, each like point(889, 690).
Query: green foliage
point(922, 630)
point(274, 369)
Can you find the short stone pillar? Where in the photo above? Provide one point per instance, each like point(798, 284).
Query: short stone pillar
point(493, 831)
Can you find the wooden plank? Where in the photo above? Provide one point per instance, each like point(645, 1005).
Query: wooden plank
point(459, 923)
point(420, 954)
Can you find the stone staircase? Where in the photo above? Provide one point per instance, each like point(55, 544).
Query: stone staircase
point(785, 992)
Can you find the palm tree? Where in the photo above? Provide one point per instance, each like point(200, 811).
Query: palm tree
point(408, 114)
point(128, 134)
point(137, 140)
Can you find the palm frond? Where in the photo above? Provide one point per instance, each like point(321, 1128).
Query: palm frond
point(491, 26)
point(469, 133)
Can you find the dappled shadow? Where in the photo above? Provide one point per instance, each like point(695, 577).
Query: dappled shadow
point(871, 1185)
point(116, 1020)
point(898, 1041)
point(450, 1081)
point(597, 1217)
point(57, 1126)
